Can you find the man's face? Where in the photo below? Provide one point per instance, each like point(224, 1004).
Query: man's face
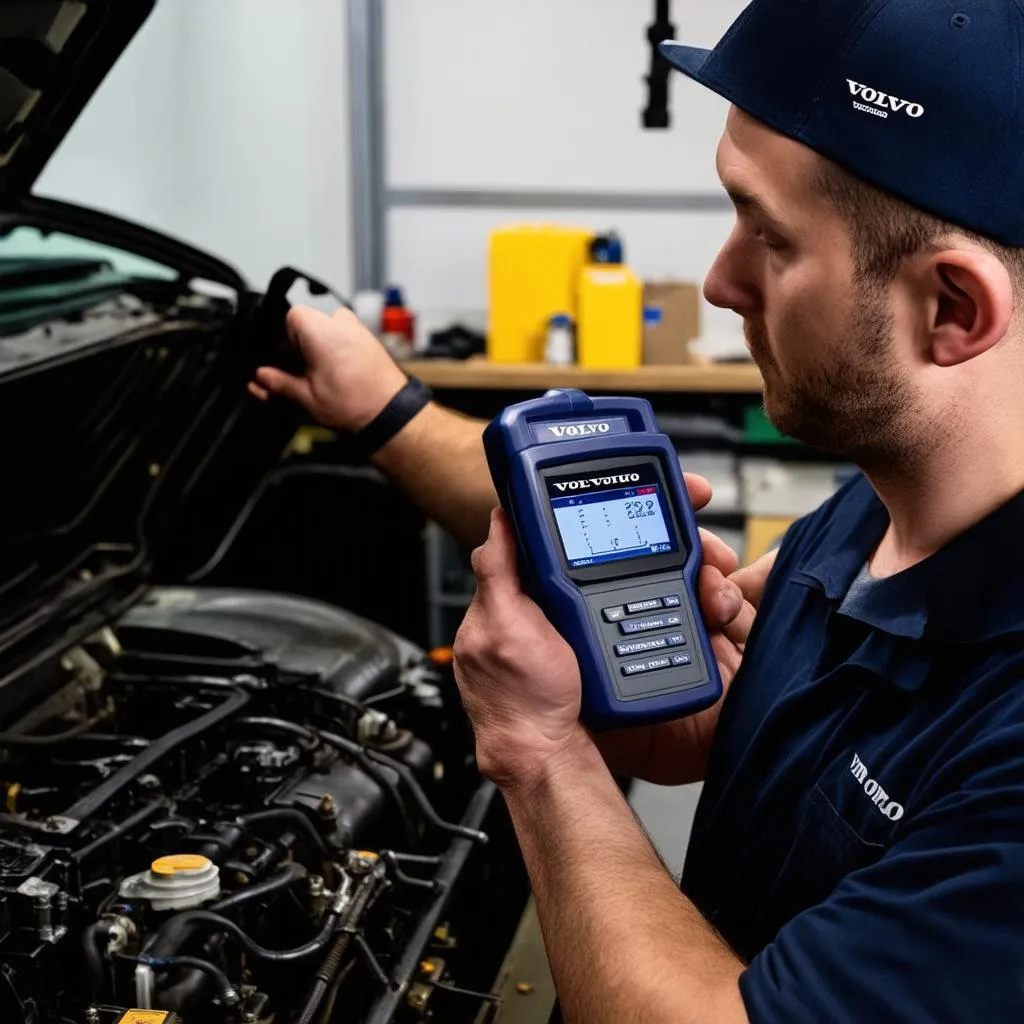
point(823, 341)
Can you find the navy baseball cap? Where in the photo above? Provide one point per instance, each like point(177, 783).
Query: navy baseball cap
point(922, 98)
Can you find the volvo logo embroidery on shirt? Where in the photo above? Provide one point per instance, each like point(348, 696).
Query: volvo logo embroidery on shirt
point(581, 429)
point(604, 481)
point(882, 103)
point(892, 810)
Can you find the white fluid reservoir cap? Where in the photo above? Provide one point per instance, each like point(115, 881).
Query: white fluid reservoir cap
point(178, 882)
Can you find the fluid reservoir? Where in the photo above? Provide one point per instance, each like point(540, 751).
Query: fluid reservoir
point(611, 310)
point(534, 270)
point(178, 882)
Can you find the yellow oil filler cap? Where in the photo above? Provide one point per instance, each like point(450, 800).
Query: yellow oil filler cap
point(179, 864)
point(180, 881)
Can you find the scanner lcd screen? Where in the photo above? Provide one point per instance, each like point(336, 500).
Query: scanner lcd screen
point(613, 516)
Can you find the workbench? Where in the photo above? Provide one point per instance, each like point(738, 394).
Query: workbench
point(480, 375)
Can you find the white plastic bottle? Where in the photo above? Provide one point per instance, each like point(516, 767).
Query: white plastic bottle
point(560, 349)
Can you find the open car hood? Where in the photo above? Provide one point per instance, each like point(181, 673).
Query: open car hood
point(53, 56)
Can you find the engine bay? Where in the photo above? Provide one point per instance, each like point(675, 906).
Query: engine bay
point(235, 807)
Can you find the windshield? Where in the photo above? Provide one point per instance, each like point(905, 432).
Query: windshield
point(49, 275)
point(26, 243)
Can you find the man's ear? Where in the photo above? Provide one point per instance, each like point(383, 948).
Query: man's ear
point(971, 305)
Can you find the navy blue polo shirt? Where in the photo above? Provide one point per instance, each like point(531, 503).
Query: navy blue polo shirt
point(860, 838)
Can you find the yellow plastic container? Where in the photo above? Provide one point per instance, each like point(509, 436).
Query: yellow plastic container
point(534, 271)
point(610, 321)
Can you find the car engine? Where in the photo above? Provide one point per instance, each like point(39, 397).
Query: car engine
point(235, 807)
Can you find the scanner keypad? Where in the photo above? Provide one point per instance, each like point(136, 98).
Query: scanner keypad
point(631, 626)
point(647, 635)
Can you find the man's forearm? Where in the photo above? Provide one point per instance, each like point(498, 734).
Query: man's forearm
point(438, 460)
point(624, 943)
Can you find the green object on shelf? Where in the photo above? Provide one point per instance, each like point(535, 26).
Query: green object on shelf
point(760, 430)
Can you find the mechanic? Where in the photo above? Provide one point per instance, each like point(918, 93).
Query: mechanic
point(858, 853)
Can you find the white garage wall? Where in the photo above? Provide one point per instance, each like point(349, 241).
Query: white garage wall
point(544, 93)
point(226, 123)
point(513, 98)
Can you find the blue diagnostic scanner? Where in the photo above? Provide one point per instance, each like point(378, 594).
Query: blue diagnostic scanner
point(609, 549)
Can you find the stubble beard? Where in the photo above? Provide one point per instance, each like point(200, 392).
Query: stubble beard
point(860, 407)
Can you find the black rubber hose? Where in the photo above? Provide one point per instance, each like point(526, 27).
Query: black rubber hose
point(92, 935)
point(17, 739)
point(287, 816)
point(228, 993)
point(193, 918)
point(191, 985)
point(291, 874)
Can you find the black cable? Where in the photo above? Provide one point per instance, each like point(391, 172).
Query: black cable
point(280, 725)
point(97, 585)
point(400, 876)
point(371, 960)
point(228, 993)
point(291, 874)
point(486, 997)
point(379, 698)
point(270, 480)
point(242, 680)
point(17, 739)
point(339, 698)
point(191, 918)
point(415, 858)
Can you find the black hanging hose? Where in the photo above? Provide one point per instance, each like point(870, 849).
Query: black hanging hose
point(92, 936)
point(228, 993)
point(17, 739)
point(189, 919)
point(284, 879)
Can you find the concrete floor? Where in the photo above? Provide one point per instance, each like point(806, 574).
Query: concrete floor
point(667, 814)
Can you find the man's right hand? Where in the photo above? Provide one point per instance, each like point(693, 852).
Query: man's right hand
point(349, 378)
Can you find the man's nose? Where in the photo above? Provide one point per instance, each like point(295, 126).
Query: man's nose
point(729, 284)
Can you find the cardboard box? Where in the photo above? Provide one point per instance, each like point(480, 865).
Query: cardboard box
point(667, 341)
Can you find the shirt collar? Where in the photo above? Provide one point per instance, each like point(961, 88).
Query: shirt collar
point(971, 590)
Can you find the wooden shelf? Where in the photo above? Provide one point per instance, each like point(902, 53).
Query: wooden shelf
point(479, 374)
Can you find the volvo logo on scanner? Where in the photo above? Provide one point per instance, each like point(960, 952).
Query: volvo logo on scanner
point(580, 430)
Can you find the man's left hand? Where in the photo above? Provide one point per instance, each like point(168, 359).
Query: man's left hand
point(506, 639)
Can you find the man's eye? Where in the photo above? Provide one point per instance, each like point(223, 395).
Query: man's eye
point(771, 243)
